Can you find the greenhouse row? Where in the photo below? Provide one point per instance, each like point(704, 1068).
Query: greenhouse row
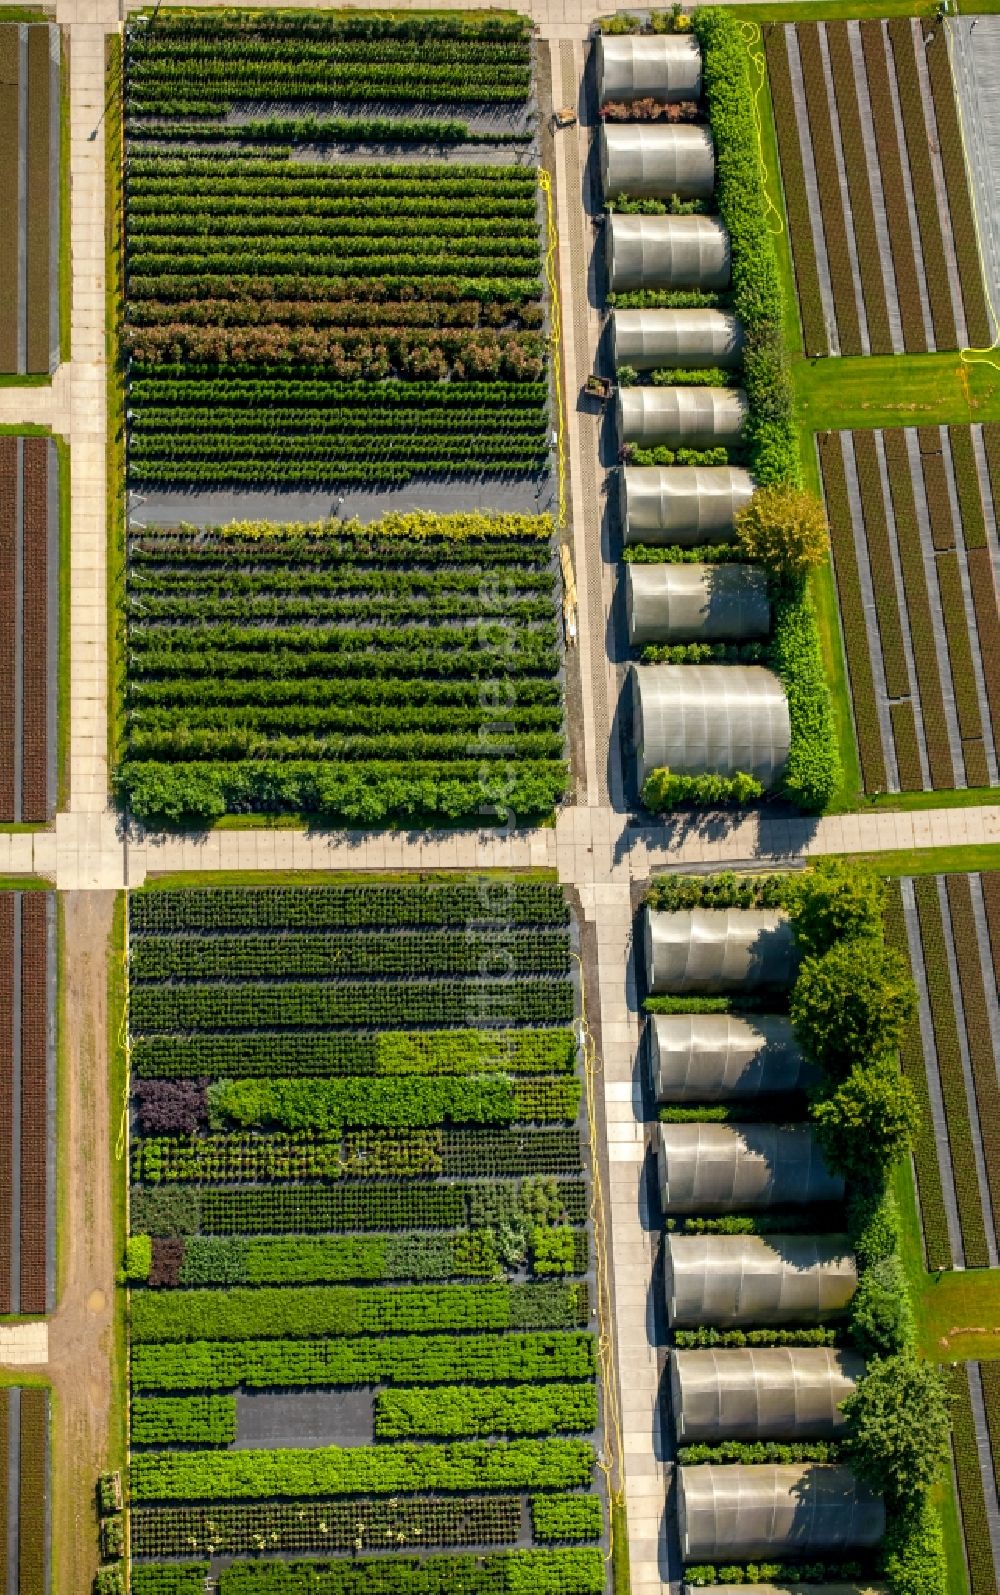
point(689, 719)
point(714, 1282)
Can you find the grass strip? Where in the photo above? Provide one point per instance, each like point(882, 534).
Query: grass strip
point(904, 735)
point(10, 141)
point(911, 1058)
point(814, 334)
point(859, 188)
point(911, 558)
point(922, 177)
point(949, 1055)
point(830, 196)
point(38, 263)
point(890, 163)
point(897, 677)
point(971, 1495)
point(963, 224)
point(852, 611)
point(977, 1024)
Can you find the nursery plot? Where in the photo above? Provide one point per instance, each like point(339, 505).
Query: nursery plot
point(27, 1101)
point(944, 923)
point(407, 669)
point(912, 522)
point(975, 1476)
point(879, 210)
point(373, 1190)
point(333, 277)
point(25, 1564)
point(29, 627)
point(29, 197)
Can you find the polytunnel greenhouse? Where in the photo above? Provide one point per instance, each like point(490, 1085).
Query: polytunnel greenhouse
point(655, 160)
point(761, 1393)
point(666, 252)
point(715, 1057)
point(664, 66)
point(682, 504)
point(710, 719)
point(692, 418)
point(742, 1168)
point(646, 339)
point(696, 603)
point(718, 949)
point(730, 1280)
point(739, 1512)
point(798, 1589)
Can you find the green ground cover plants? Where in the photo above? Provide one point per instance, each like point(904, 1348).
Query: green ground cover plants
point(445, 1270)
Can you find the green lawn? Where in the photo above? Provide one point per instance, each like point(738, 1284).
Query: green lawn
point(895, 390)
point(834, 10)
point(933, 860)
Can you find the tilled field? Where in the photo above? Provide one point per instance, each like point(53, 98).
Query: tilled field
point(29, 585)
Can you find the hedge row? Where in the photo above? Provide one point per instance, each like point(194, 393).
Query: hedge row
point(580, 1572)
point(183, 1420)
point(456, 1412)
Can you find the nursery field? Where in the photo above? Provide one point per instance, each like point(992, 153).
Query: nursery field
point(29, 239)
point(27, 1101)
point(404, 670)
point(976, 1442)
point(950, 927)
point(333, 271)
point(879, 212)
point(29, 627)
point(913, 526)
point(360, 1308)
point(24, 1491)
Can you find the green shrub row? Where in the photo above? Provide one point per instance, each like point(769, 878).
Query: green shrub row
point(349, 953)
point(770, 1451)
point(568, 1517)
point(342, 1310)
point(298, 1260)
point(379, 1470)
point(169, 1578)
point(363, 1360)
point(183, 1420)
point(451, 1412)
point(326, 1105)
point(569, 1572)
point(705, 1337)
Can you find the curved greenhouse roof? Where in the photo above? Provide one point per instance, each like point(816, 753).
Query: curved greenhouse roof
point(779, 1393)
point(666, 252)
point(659, 66)
point(646, 339)
point(740, 1511)
point(733, 1280)
point(654, 160)
point(718, 949)
point(682, 504)
point(710, 719)
point(716, 1057)
point(693, 418)
point(740, 1168)
point(696, 603)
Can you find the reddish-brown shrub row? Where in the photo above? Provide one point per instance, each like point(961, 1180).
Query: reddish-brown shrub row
point(34, 1098)
point(904, 736)
point(977, 1024)
point(34, 779)
point(925, 656)
point(7, 905)
point(897, 215)
point(796, 197)
point(897, 679)
point(8, 619)
point(37, 242)
point(827, 177)
point(963, 225)
point(852, 611)
point(922, 177)
point(32, 1490)
point(859, 188)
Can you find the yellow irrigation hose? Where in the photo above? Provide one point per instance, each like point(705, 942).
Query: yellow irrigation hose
point(555, 335)
point(754, 41)
point(989, 355)
point(610, 1459)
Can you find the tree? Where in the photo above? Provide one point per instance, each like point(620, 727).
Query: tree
point(881, 1316)
point(833, 899)
point(785, 529)
point(852, 1002)
point(867, 1122)
point(897, 1426)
